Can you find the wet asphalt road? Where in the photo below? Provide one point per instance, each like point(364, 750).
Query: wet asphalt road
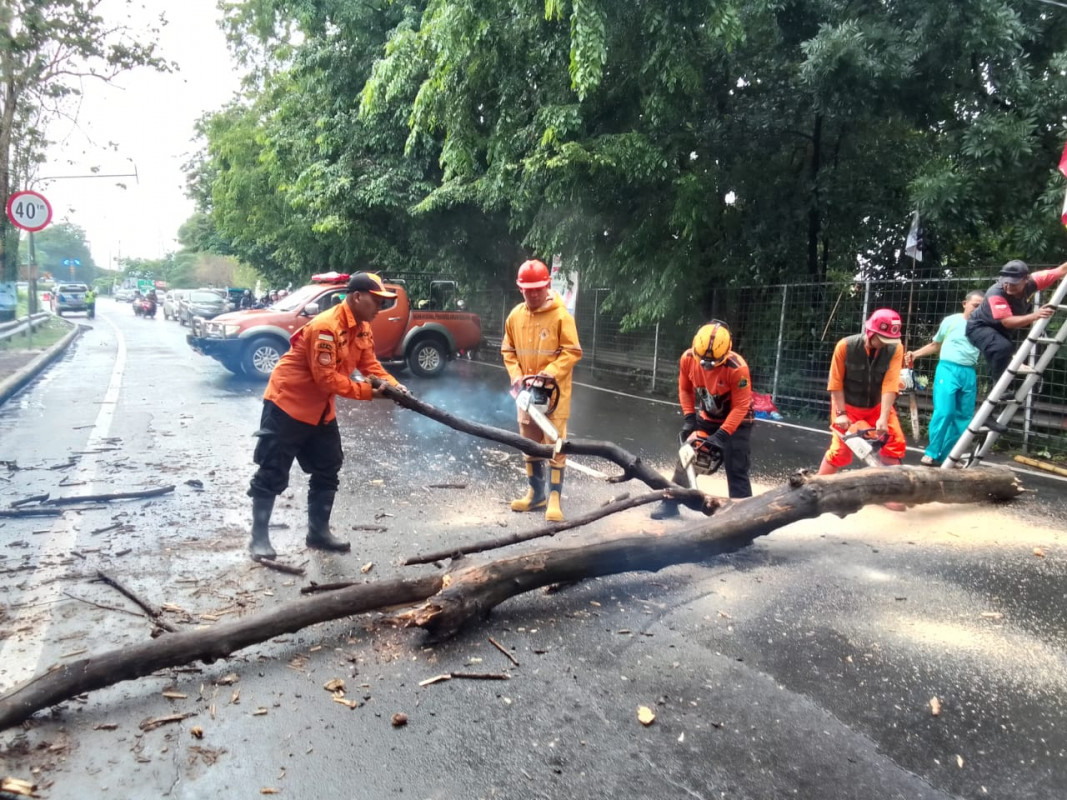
point(801, 667)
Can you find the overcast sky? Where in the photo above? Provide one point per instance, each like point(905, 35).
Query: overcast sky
point(150, 117)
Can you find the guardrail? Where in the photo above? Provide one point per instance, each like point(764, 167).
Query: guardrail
point(27, 324)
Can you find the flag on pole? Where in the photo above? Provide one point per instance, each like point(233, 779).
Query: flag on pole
point(1063, 169)
point(914, 246)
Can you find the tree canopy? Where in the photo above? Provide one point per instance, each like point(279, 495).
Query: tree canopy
point(49, 50)
point(662, 147)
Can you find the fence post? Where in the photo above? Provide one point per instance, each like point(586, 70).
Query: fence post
point(655, 356)
point(778, 348)
point(866, 301)
point(596, 316)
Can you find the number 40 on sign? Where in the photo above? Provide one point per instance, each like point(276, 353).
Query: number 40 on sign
point(29, 210)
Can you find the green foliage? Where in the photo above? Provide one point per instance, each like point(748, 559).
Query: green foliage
point(61, 242)
point(49, 51)
point(663, 148)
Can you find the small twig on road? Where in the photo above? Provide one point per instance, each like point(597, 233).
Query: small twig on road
point(30, 512)
point(148, 608)
point(103, 605)
point(279, 566)
point(500, 647)
point(152, 724)
point(446, 486)
point(60, 501)
point(105, 530)
point(37, 498)
point(374, 528)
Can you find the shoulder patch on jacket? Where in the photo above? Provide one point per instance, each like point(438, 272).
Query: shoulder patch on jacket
point(741, 384)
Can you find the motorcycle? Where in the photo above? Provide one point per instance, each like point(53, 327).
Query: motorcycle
point(144, 308)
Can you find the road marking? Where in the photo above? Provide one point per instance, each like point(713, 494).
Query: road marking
point(20, 654)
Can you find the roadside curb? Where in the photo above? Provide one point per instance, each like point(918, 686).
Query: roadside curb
point(10, 386)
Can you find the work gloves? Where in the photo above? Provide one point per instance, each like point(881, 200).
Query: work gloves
point(717, 441)
point(689, 425)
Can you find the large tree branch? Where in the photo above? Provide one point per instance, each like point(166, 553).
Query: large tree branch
point(632, 465)
point(452, 599)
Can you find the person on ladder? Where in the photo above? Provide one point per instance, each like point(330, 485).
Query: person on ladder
point(1007, 307)
point(541, 339)
point(955, 381)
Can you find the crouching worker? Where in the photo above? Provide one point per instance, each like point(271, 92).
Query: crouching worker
point(541, 344)
point(864, 382)
point(715, 392)
point(299, 419)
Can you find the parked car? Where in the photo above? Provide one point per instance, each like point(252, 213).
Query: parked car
point(124, 294)
point(68, 297)
point(251, 342)
point(172, 302)
point(204, 303)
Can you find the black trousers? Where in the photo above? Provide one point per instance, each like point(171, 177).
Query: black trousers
point(997, 348)
point(317, 448)
point(735, 460)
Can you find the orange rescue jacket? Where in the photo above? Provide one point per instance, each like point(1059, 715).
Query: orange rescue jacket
point(720, 395)
point(319, 363)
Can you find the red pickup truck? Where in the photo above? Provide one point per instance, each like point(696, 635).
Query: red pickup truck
point(250, 342)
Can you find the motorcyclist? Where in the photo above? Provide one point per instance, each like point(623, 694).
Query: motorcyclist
point(246, 299)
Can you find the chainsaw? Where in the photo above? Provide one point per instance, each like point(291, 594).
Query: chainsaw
point(697, 456)
point(864, 444)
point(538, 398)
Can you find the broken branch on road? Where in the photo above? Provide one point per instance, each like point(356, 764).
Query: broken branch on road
point(447, 601)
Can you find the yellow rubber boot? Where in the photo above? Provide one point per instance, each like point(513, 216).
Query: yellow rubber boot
point(555, 488)
point(535, 495)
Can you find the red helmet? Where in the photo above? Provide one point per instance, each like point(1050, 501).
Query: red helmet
point(884, 322)
point(533, 274)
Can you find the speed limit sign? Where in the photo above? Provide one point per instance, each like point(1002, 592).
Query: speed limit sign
point(29, 210)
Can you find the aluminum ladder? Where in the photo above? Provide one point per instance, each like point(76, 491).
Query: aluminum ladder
point(1018, 366)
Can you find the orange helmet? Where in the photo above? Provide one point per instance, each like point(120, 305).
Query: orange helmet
point(533, 274)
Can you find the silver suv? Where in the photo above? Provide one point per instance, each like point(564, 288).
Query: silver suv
point(68, 297)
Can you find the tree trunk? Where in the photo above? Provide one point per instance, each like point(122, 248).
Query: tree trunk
point(450, 600)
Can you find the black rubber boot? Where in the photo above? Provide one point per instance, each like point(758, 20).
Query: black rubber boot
point(262, 507)
point(535, 496)
point(320, 506)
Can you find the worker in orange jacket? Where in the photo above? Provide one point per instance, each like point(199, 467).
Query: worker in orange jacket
point(715, 393)
point(299, 419)
point(863, 385)
point(541, 340)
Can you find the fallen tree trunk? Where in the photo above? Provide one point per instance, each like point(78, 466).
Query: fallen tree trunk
point(64, 681)
point(451, 600)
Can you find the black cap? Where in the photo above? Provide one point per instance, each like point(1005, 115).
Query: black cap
point(1015, 271)
point(368, 282)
